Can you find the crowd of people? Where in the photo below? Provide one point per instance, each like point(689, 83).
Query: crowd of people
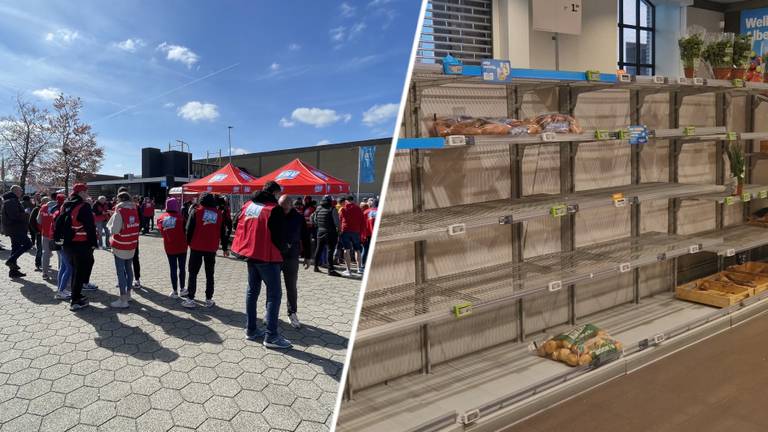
point(272, 232)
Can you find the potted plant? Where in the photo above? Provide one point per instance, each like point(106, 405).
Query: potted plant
point(690, 51)
point(742, 53)
point(737, 162)
point(719, 55)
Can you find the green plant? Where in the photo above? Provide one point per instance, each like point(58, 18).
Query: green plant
point(719, 54)
point(690, 49)
point(736, 159)
point(742, 50)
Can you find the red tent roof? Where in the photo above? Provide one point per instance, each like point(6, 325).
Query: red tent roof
point(227, 180)
point(300, 178)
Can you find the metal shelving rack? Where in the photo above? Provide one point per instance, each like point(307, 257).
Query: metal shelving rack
point(428, 301)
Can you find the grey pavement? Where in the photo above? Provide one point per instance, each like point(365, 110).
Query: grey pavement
point(160, 367)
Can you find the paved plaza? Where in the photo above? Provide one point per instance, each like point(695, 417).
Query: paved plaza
point(160, 367)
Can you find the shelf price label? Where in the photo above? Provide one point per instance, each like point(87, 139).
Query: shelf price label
point(659, 338)
point(593, 75)
point(694, 248)
point(602, 134)
point(683, 81)
point(658, 79)
point(762, 194)
point(730, 252)
point(698, 81)
point(625, 78)
point(462, 309)
point(456, 140)
point(638, 135)
point(619, 200)
point(661, 257)
point(559, 210)
point(731, 136)
point(555, 286)
point(746, 197)
point(689, 131)
point(625, 267)
point(457, 229)
point(728, 200)
point(548, 136)
point(738, 83)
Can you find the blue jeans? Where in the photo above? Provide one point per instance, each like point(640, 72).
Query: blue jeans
point(65, 271)
point(124, 270)
point(177, 264)
point(269, 273)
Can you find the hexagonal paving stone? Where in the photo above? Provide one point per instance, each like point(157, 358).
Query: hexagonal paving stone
point(156, 369)
point(174, 380)
point(228, 370)
point(189, 415)
point(249, 422)
point(310, 410)
point(12, 408)
point(99, 378)
point(34, 389)
point(128, 373)
point(196, 392)
point(115, 391)
point(215, 425)
point(23, 376)
point(249, 400)
point(155, 421)
point(281, 417)
point(301, 371)
point(98, 413)
point(55, 372)
point(45, 404)
point(220, 407)
point(67, 383)
point(60, 420)
point(225, 387)
point(24, 423)
point(304, 388)
point(146, 385)
point(252, 381)
point(119, 424)
point(133, 406)
point(82, 397)
point(166, 399)
point(279, 395)
point(203, 374)
point(308, 426)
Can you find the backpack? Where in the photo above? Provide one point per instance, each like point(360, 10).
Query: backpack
point(62, 226)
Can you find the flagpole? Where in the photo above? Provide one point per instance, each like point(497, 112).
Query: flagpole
point(358, 174)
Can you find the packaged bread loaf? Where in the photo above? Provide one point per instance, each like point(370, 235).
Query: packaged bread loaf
point(558, 123)
point(583, 345)
point(441, 126)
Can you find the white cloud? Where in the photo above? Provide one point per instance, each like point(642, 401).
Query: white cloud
point(63, 36)
point(169, 105)
point(130, 45)
point(274, 67)
point(195, 111)
point(239, 151)
point(294, 47)
point(323, 142)
point(318, 117)
point(347, 10)
point(284, 122)
point(377, 3)
point(338, 33)
point(378, 114)
point(179, 53)
point(356, 30)
point(48, 93)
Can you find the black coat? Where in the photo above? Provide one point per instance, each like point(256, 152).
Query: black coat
point(13, 216)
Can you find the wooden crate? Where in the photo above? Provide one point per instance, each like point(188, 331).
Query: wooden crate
point(761, 222)
point(758, 282)
point(713, 293)
point(751, 267)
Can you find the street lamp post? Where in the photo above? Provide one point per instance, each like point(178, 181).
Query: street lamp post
point(229, 136)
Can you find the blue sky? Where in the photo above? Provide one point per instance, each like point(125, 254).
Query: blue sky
point(283, 74)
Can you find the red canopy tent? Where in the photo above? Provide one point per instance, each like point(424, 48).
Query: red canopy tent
point(227, 180)
point(299, 178)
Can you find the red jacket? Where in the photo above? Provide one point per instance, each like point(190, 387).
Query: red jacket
point(128, 237)
point(253, 238)
point(370, 220)
point(171, 226)
point(351, 218)
point(148, 210)
point(46, 219)
point(207, 229)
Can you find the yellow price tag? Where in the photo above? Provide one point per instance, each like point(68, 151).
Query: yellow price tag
point(746, 197)
point(728, 200)
point(689, 130)
point(462, 310)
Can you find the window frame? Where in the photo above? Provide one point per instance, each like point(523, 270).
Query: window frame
point(636, 63)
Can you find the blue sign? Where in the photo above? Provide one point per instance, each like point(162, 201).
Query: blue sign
point(755, 22)
point(287, 175)
point(638, 135)
point(497, 70)
point(163, 184)
point(367, 164)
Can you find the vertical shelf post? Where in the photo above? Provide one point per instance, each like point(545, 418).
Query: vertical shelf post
point(675, 103)
point(516, 192)
point(567, 101)
point(636, 107)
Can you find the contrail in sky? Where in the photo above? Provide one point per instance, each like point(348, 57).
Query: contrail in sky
point(174, 90)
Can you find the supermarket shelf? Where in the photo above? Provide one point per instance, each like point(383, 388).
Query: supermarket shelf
point(749, 193)
point(510, 373)
point(395, 309)
point(738, 239)
point(440, 223)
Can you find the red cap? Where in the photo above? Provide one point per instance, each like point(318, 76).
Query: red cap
point(60, 199)
point(79, 187)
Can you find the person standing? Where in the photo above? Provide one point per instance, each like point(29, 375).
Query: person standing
point(352, 223)
point(171, 227)
point(101, 216)
point(326, 221)
point(296, 236)
point(45, 221)
point(370, 220)
point(35, 234)
point(76, 232)
point(259, 228)
point(64, 281)
point(14, 221)
point(205, 228)
point(124, 225)
point(136, 262)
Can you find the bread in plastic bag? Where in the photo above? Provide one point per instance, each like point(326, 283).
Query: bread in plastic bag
point(558, 123)
point(583, 345)
point(441, 126)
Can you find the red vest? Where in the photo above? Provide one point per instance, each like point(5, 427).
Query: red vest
point(128, 237)
point(46, 222)
point(207, 233)
point(171, 226)
point(78, 230)
point(252, 238)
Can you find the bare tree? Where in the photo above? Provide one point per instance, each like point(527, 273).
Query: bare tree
point(76, 156)
point(26, 136)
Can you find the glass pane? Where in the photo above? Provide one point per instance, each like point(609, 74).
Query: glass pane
point(630, 12)
point(630, 70)
point(630, 43)
point(646, 47)
point(645, 71)
point(646, 15)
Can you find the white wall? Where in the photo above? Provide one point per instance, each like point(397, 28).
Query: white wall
point(670, 19)
point(709, 20)
point(510, 32)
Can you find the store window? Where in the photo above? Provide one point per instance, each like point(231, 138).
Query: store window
point(637, 41)
point(461, 28)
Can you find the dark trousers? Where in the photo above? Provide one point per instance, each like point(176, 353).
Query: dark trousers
point(196, 259)
point(20, 243)
point(325, 241)
point(290, 269)
point(136, 264)
point(81, 257)
point(39, 251)
point(177, 263)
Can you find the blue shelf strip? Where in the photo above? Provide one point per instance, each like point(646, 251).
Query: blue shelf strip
point(542, 74)
point(420, 143)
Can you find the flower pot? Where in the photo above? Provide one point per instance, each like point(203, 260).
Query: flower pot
point(739, 187)
point(738, 73)
point(722, 73)
point(688, 72)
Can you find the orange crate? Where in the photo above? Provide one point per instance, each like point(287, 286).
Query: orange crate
point(758, 282)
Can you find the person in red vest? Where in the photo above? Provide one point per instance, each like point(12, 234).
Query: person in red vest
point(101, 216)
point(370, 220)
point(45, 220)
point(260, 237)
point(205, 229)
point(77, 235)
point(148, 211)
point(352, 225)
point(171, 227)
point(124, 225)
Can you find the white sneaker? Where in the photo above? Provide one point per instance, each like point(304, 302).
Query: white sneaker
point(189, 303)
point(360, 270)
point(209, 303)
point(184, 293)
point(173, 295)
point(294, 321)
point(346, 273)
point(120, 303)
point(137, 283)
point(63, 295)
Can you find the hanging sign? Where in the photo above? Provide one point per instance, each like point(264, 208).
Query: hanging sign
point(755, 22)
point(557, 16)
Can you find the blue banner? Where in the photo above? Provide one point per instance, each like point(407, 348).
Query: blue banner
point(755, 22)
point(367, 164)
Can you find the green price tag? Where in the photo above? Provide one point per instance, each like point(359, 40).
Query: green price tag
point(593, 75)
point(731, 136)
point(738, 83)
point(559, 210)
point(622, 134)
point(762, 194)
point(746, 197)
point(728, 200)
point(602, 134)
point(462, 310)
point(689, 130)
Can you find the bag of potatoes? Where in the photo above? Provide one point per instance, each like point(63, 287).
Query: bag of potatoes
point(583, 345)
